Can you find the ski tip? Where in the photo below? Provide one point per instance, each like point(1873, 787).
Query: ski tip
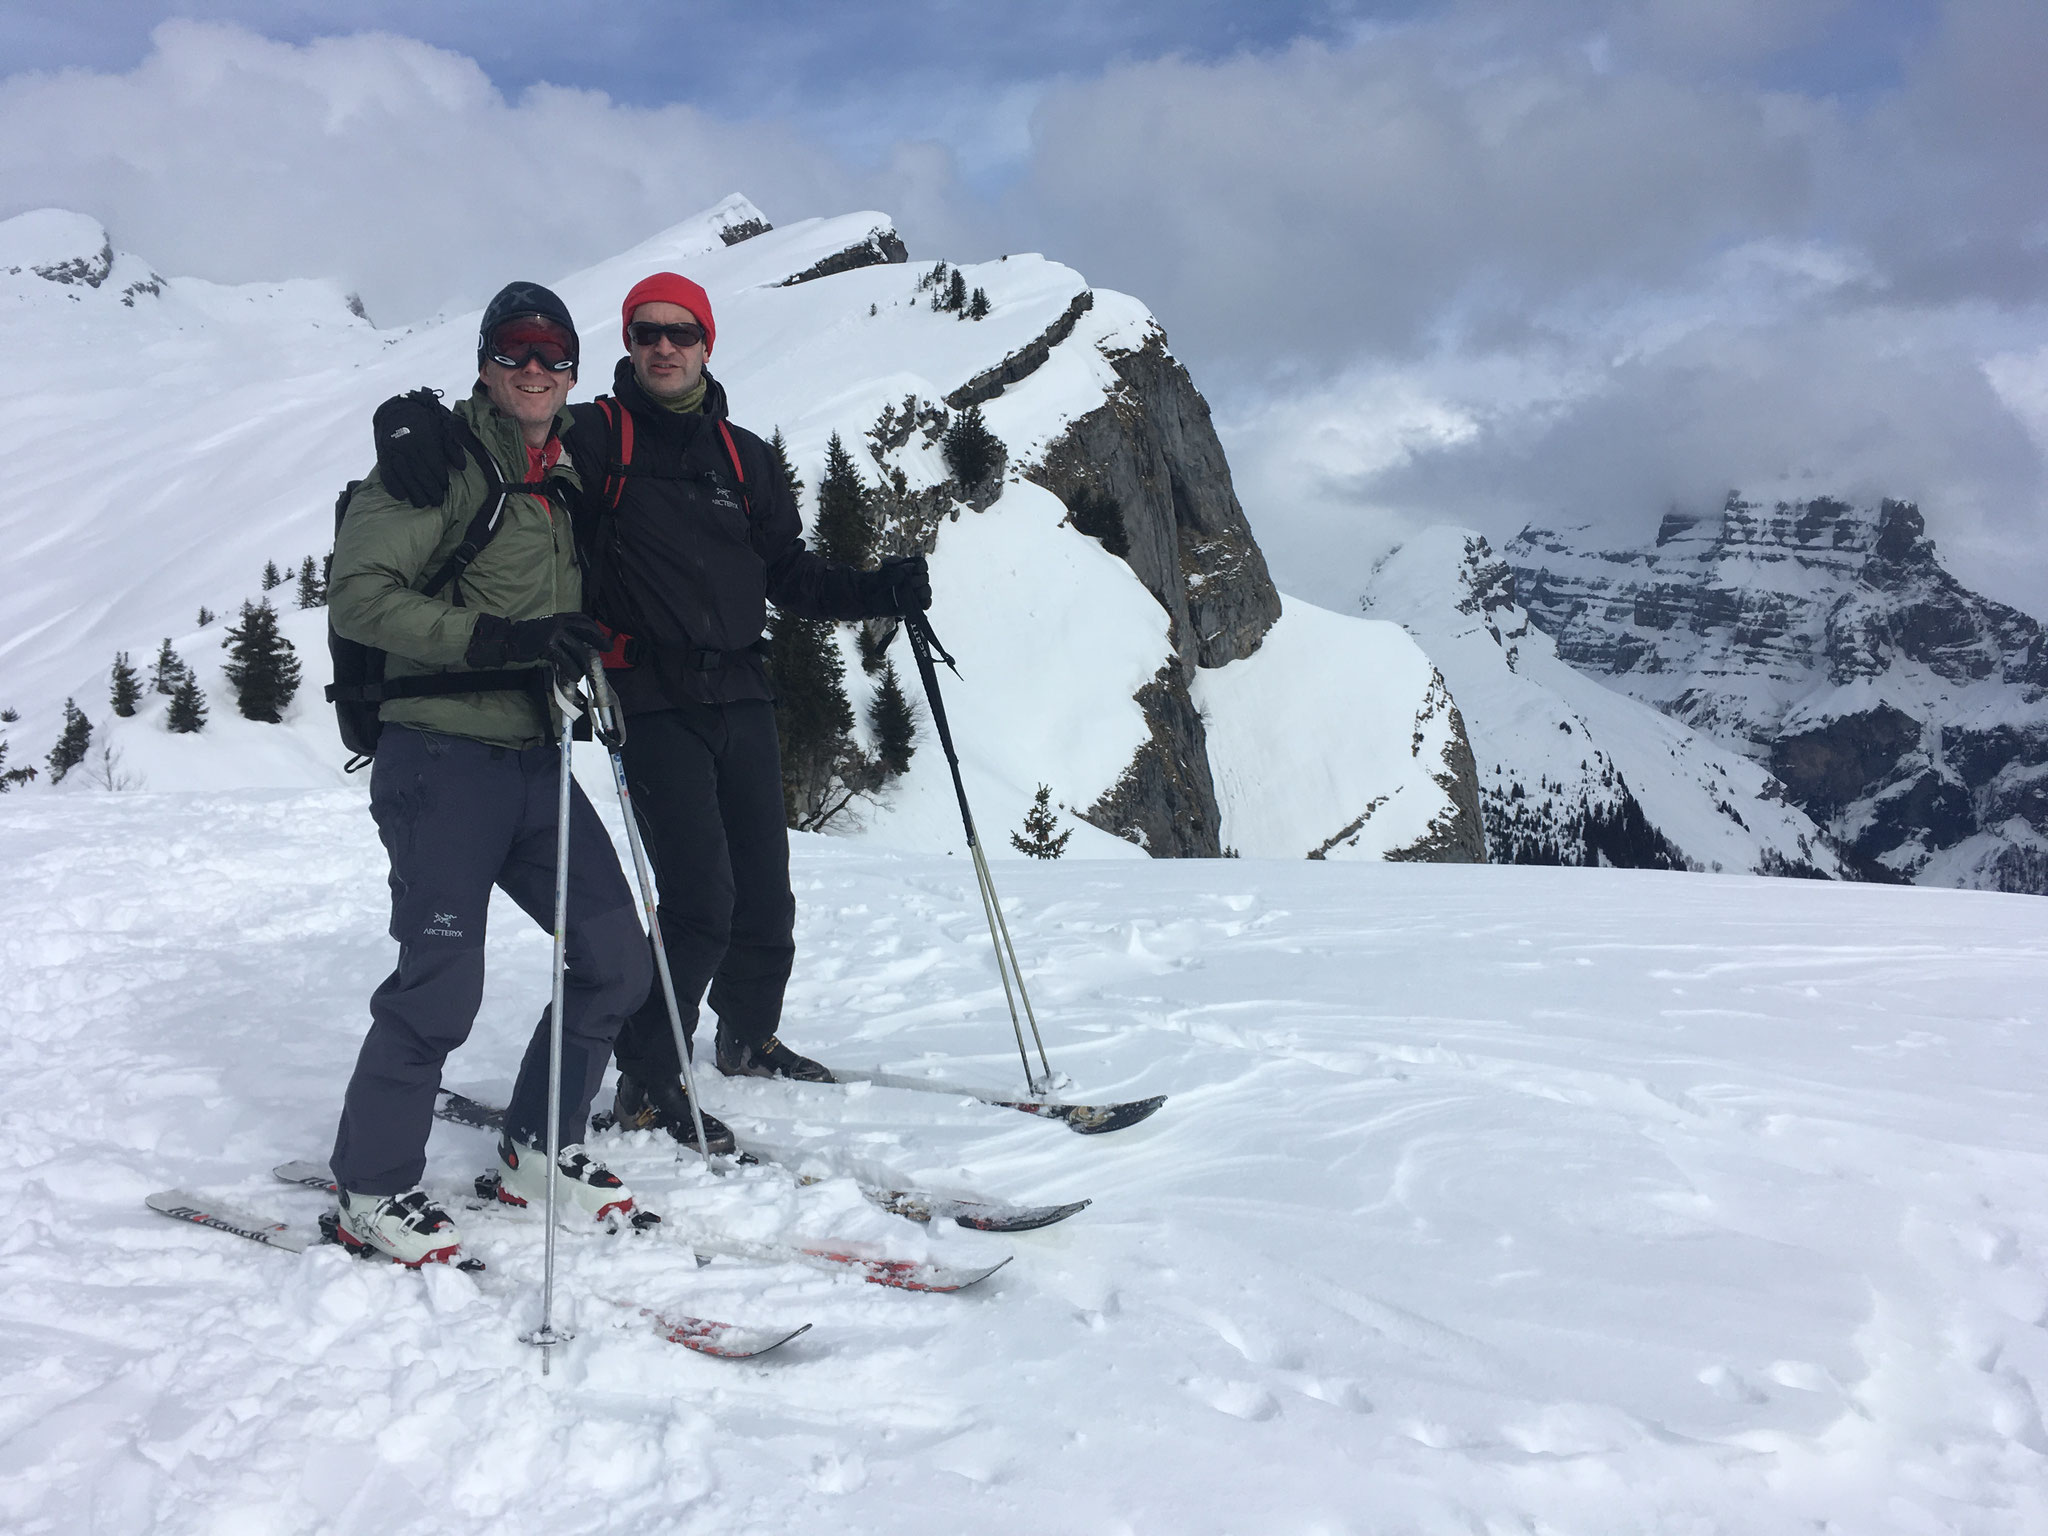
point(1020, 1219)
point(1100, 1119)
point(722, 1341)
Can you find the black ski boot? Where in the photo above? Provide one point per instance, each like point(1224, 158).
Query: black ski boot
point(642, 1106)
point(771, 1058)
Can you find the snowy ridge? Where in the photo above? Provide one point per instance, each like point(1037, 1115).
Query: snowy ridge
point(150, 491)
point(1571, 772)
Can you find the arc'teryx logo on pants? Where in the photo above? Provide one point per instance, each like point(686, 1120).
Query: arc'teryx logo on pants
point(443, 927)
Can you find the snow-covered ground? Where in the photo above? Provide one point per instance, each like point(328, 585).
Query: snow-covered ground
point(1486, 1200)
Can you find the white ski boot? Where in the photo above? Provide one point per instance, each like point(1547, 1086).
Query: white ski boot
point(585, 1186)
point(408, 1228)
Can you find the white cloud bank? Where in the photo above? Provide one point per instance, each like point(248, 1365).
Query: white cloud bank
point(1505, 261)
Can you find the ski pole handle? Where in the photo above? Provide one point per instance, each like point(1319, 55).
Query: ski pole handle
point(607, 720)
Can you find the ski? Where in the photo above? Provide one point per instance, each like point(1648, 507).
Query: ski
point(913, 1204)
point(1083, 1119)
point(724, 1340)
point(181, 1206)
point(875, 1268)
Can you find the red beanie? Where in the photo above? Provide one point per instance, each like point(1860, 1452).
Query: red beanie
point(670, 288)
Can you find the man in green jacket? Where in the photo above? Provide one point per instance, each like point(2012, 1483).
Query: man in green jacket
point(464, 792)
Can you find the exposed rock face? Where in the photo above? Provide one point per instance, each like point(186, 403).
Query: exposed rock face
point(746, 229)
point(1025, 361)
point(1904, 712)
point(90, 270)
point(1152, 447)
point(1166, 802)
point(881, 245)
point(1458, 837)
point(1569, 772)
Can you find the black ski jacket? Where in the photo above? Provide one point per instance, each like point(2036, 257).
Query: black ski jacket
point(689, 559)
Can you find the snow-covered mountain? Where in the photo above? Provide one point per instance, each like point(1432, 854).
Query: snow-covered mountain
point(171, 436)
point(1905, 713)
point(1571, 772)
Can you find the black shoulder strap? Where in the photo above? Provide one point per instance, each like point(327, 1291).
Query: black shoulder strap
point(484, 526)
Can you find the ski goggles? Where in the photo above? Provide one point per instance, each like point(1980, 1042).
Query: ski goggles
point(645, 333)
point(532, 338)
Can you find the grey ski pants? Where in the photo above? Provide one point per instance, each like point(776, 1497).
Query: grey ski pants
point(457, 817)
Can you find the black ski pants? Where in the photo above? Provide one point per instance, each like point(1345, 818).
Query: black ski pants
point(457, 817)
point(707, 790)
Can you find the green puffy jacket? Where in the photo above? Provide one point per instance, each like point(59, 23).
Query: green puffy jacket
point(388, 549)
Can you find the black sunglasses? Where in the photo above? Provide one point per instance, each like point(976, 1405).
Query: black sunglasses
point(645, 333)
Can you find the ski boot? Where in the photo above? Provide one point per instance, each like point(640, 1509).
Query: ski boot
point(771, 1058)
point(585, 1186)
point(666, 1103)
point(408, 1228)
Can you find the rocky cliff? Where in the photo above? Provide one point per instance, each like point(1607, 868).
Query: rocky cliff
point(1570, 772)
point(1905, 713)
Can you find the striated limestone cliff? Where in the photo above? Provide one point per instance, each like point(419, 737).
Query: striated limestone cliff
point(1905, 713)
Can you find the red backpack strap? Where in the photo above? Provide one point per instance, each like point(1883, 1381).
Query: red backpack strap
point(621, 422)
point(732, 452)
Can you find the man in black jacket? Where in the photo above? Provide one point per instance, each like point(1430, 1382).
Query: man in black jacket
point(688, 530)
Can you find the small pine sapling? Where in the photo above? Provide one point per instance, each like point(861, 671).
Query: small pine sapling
point(126, 690)
point(893, 720)
point(262, 664)
point(168, 667)
point(973, 453)
point(9, 715)
point(206, 615)
point(72, 743)
point(188, 707)
point(272, 576)
point(845, 534)
point(1040, 822)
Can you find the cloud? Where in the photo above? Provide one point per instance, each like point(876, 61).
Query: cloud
point(396, 168)
point(1480, 260)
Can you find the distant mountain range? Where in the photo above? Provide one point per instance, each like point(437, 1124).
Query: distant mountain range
point(1905, 714)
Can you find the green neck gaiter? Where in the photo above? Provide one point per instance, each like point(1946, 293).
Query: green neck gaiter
point(683, 405)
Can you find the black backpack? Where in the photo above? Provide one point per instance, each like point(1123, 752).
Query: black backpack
point(359, 686)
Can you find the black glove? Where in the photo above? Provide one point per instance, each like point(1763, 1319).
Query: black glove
point(901, 586)
point(416, 447)
point(571, 641)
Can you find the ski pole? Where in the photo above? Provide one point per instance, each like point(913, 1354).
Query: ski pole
point(545, 1335)
point(608, 724)
point(923, 643)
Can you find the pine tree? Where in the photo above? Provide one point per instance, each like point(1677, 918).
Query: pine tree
point(165, 671)
point(893, 719)
point(262, 665)
point(1100, 516)
point(844, 533)
point(977, 307)
point(956, 292)
point(72, 745)
point(127, 687)
point(812, 716)
point(206, 615)
point(312, 589)
point(780, 448)
point(188, 707)
point(973, 453)
point(1037, 837)
point(272, 576)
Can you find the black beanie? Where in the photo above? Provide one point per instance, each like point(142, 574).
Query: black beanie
point(522, 299)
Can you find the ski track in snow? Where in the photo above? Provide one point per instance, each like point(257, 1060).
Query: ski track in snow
point(1487, 1200)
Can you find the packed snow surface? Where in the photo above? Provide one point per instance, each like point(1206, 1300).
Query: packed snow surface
point(1486, 1200)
